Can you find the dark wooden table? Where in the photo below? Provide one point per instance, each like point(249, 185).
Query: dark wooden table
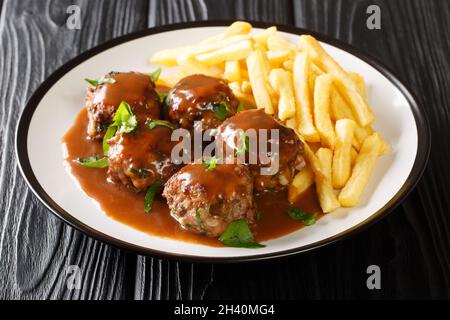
point(411, 245)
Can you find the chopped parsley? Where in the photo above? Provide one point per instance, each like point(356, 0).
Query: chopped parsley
point(238, 234)
point(155, 74)
point(150, 195)
point(220, 110)
point(124, 121)
point(240, 107)
point(96, 83)
point(211, 164)
point(258, 215)
point(156, 123)
point(299, 214)
point(93, 162)
point(243, 144)
point(162, 96)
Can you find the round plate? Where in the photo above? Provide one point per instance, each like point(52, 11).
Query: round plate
point(52, 109)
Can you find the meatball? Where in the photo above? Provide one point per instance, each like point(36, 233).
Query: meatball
point(290, 147)
point(206, 201)
point(200, 98)
point(137, 89)
point(139, 158)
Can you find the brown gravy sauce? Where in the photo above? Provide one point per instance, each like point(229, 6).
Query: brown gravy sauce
point(127, 207)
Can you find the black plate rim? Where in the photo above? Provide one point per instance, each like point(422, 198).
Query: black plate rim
point(423, 151)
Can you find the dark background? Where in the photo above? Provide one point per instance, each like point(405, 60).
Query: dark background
point(411, 245)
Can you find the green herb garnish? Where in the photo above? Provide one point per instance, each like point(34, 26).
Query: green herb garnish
point(156, 123)
point(93, 162)
point(96, 83)
point(211, 164)
point(124, 121)
point(162, 96)
point(155, 74)
point(240, 107)
point(220, 110)
point(299, 214)
point(150, 195)
point(238, 234)
point(243, 144)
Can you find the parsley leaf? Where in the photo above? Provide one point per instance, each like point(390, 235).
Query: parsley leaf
point(124, 121)
point(156, 123)
point(150, 195)
point(238, 234)
point(211, 164)
point(243, 144)
point(96, 83)
point(220, 110)
point(300, 214)
point(162, 96)
point(155, 74)
point(93, 162)
point(240, 107)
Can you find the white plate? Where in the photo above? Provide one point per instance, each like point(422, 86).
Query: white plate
point(52, 109)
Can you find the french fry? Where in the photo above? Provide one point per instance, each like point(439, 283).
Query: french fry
point(168, 57)
point(342, 166)
point(246, 86)
point(288, 65)
point(313, 162)
point(291, 123)
point(341, 79)
point(353, 154)
point(303, 99)
point(246, 98)
point(327, 199)
point(258, 80)
point(266, 69)
point(362, 170)
point(276, 58)
point(360, 84)
point(167, 80)
point(301, 182)
point(232, 71)
point(322, 118)
point(261, 38)
point(191, 66)
point(236, 51)
point(236, 28)
point(275, 42)
point(281, 81)
point(218, 44)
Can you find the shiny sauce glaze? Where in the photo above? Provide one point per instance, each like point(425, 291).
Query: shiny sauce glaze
point(220, 183)
point(126, 206)
point(193, 96)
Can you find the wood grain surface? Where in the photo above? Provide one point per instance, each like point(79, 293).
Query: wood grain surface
point(411, 245)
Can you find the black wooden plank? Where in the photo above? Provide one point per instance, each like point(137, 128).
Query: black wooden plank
point(35, 247)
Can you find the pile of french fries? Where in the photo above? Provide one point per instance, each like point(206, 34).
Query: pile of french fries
point(307, 90)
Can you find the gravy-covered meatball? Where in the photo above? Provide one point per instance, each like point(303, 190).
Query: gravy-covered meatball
point(290, 147)
point(200, 98)
point(206, 201)
point(139, 158)
point(137, 89)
